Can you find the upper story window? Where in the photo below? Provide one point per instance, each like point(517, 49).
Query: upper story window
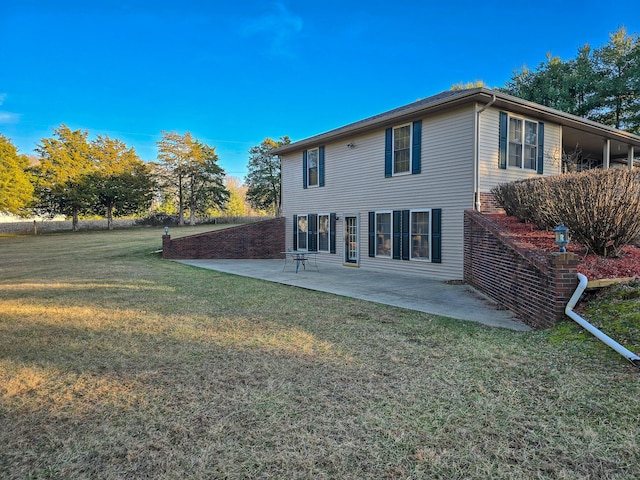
point(402, 149)
point(523, 143)
point(312, 167)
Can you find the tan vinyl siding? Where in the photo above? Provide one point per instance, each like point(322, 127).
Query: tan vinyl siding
point(491, 175)
point(355, 184)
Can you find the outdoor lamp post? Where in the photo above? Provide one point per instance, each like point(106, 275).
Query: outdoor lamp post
point(562, 237)
point(166, 230)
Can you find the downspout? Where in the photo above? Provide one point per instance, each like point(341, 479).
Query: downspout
point(632, 357)
point(476, 165)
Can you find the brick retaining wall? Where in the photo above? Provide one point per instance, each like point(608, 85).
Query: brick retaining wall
point(535, 286)
point(265, 239)
point(488, 204)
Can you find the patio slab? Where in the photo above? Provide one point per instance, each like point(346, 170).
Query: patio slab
point(413, 292)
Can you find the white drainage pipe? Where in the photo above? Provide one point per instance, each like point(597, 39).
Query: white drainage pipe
point(629, 355)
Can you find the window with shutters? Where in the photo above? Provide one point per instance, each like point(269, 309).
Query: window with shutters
point(402, 149)
point(406, 234)
point(383, 234)
point(312, 167)
point(315, 232)
point(303, 228)
point(522, 149)
point(323, 232)
point(420, 234)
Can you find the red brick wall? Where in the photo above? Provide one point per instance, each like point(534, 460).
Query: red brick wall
point(488, 204)
point(256, 240)
point(533, 285)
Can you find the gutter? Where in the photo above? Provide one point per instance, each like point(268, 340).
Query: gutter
point(582, 285)
point(476, 164)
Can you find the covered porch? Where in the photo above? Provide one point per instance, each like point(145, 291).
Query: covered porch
point(582, 149)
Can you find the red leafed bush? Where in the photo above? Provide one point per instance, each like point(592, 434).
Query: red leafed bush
point(625, 264)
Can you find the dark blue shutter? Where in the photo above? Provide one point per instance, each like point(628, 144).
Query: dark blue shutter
point(436, 235)
point(304, 169)
point(332, 233)
point(540, 148)
point(504, 128)
point(405, 234)
point(312, 232)
point(416, 152)
point(372, 234)
point(295, 232)
point(397, 233)
point(321, 167)
point(388, 152)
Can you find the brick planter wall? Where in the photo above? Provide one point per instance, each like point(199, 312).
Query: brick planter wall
point(488, 204)
point(535, 286)
point(264, 239)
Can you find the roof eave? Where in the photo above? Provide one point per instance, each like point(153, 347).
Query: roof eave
point(479, 95)
point(380, 121)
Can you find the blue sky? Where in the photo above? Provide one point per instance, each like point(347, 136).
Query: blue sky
point(233, 73)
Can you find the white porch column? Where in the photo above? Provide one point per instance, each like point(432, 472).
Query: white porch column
point(606, 153)
point(630, 157)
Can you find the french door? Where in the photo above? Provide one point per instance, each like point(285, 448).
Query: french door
point(351, 239)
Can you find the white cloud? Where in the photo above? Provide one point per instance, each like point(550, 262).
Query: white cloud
point(7, 118)
point(279, 26)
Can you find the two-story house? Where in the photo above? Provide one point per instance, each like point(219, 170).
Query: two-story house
point(388, 193)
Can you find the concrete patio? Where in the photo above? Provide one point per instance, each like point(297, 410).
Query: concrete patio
point(413, 292)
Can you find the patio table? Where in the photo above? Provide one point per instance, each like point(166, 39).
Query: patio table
point(300, 258)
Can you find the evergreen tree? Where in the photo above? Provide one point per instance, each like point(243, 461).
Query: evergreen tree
point(263, 179)
point(601, 84)
point(617, 65)
point(16, 190)
point(60, 184)
point(191, 168)
point(122, 182)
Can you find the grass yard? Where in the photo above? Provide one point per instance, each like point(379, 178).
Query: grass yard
point(116, 364)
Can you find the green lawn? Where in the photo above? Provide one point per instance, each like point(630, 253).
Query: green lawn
point(116, 364)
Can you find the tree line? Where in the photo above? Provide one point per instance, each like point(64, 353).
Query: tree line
point(73, 176)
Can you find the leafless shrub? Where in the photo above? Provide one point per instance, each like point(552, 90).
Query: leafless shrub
point(577, 161)
point(601, 208)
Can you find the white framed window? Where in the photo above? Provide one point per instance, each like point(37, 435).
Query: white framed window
point(324, 231)
point(384, 235)
point(420, 234)
point(303, 228)
point(522, 150)
point(312, 167)
point(402, 149)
